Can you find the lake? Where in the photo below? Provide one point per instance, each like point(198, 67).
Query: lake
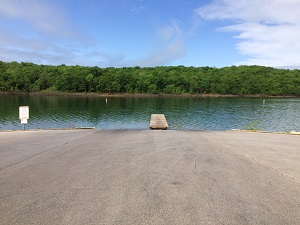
point(267, 114)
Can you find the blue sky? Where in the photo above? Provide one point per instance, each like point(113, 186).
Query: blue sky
point(146, 33)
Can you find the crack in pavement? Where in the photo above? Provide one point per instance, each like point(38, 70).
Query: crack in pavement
point(40, 153)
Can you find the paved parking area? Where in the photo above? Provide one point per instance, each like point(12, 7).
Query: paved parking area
point(149, 177)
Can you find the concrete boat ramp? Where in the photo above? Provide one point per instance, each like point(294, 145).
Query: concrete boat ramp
point(149, 177)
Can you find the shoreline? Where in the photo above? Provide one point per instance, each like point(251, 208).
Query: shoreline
point(202, 131)
point(140, 95)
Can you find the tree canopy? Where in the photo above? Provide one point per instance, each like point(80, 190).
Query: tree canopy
point(236, 80)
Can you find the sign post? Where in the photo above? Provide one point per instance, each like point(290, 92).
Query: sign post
point(24, 115)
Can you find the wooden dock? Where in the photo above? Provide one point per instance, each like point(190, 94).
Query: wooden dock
point(158, 122)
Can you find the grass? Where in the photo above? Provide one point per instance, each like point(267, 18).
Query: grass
point(253, 126)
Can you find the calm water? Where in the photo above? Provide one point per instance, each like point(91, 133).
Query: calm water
point(273, 114)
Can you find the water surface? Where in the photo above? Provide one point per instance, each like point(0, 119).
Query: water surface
point(267, 114)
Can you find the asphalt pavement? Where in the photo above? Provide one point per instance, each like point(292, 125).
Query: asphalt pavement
point(149, 177)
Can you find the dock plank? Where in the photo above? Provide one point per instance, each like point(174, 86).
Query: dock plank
point(158, 121)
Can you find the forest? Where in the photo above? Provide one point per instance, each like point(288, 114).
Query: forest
point(235, 80)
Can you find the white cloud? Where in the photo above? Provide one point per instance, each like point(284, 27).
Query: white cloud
point(17, 48)
point(37, 13)
point(14, 47)
point(138, 10)
point(47, 38)
point(104, 60)
point(268, 31)
point(38, 31)
point(172, 47)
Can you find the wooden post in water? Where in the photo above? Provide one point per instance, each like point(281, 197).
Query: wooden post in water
point(158, 122)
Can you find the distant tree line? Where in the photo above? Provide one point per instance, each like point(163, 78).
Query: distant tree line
point(236, 80)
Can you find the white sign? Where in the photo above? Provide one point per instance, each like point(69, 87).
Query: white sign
point(24, 113)
point(23, 121)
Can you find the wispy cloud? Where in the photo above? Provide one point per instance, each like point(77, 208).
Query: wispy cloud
point(49, 39)
point(138, 10)
point(41, 32)
point(268, 31)
point(171, 47)
point(14, 47)
point(37, 13)
point(17, 48)
point(104, 59)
